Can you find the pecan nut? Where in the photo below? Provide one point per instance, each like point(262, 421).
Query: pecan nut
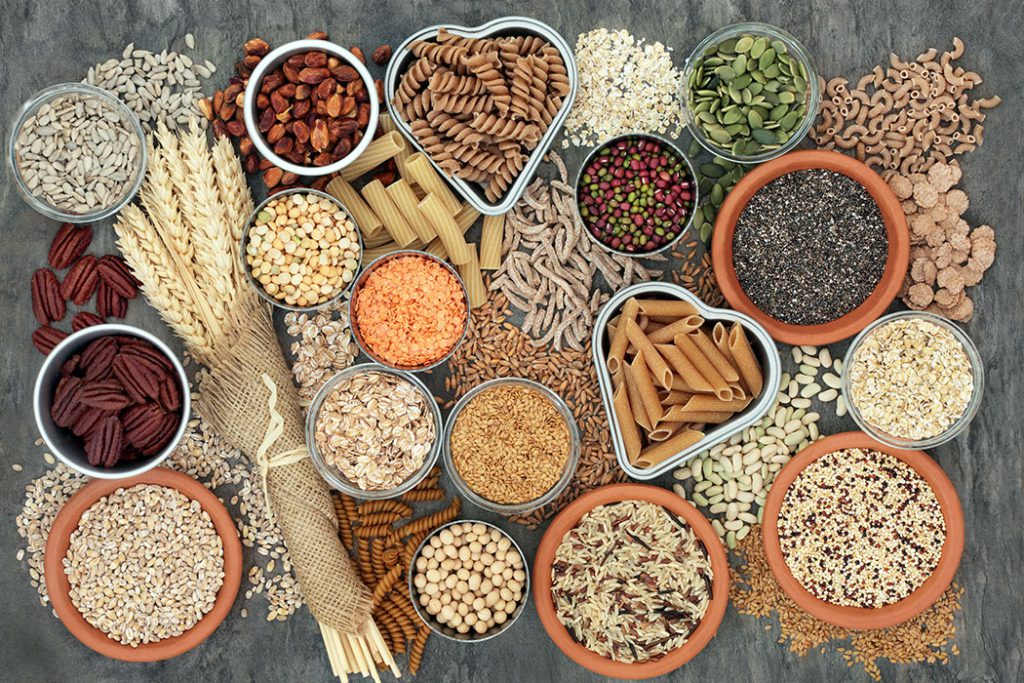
point(116, 274)
point(104, 445)
point(68, 244)
point(110, 304)
point(84, 319)
point(170, 395)
point(87, 422)
point(105, 394)
point(80, 282)
point(46, 337)
point(67, 408)
point(139, 376)
point(98, 358)
point(47, 302)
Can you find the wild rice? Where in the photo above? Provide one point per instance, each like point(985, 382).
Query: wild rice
point(631, 582)
point(550, 265)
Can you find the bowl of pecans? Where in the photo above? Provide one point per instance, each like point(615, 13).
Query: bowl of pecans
point(373, 432)
point(112, 401)
point(310, 107)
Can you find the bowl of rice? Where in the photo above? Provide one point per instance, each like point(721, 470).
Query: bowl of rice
point(661, 592)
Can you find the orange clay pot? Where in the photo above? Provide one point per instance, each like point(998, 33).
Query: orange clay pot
point(895, 265)
point(58, 585)
point(568, 519)
point(862, 618)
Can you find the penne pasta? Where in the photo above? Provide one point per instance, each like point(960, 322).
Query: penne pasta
point(635, 401)
point(673, 397)
point(664, 430)
point(690, 378)
point(447, 230)
point(646, 390)
point(720, 335)
point(366, 220)
point(408, 204)
point(702, 404)
point(703, 365)
point(491, 237)
point(659, 369)
point(738, 392)
point(376, 153)
point(669, 309)
point(423, 174)
point(627, 424)
point(666, 333)
point(394, 222)
point(745, 360)
point(708, 348)
point(658, 452)
point(696, 416)
point(617, 348)
point(473, 280)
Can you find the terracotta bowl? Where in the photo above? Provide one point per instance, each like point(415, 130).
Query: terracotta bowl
point(58, 585)
point(863, 618)
point(895, 264)
point(568, 519)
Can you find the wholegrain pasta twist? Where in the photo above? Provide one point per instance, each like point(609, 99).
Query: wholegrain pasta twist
point(505, 128)
point(423, 495)
point(522, 78)
point(449, 82)
point(433, 521)
point(448, 53)
point(394, 506)
point(452, 103)
point(558, 76)
point(387, 583)
point(419, 643)
point(458, 131)
point(487, 68)
point(413, 79)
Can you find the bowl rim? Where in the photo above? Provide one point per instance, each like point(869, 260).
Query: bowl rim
point(694, 184)
point(47, 94)
point(863, 618)
point(571, 463)
point(796, 47)
point(256, 80)
point(91, 333)
point(247, 269)
point(897, 258)
point(973, 357)
point(60, 539)
point(360, 280)
point(568, 519)
point(432, 622)
point(330, 474)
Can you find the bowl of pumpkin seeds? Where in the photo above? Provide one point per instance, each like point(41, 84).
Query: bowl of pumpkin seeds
point(750, 92)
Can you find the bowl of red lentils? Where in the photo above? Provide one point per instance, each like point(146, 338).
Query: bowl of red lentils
point(409, 310)
point(862, 535)
point(301, 249)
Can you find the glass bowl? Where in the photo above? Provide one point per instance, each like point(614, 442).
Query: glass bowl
point(794, 48)
point(977, 372)
point(245, 243)
point(47, 95)
point(666, 144)
point(529, 505)
point(354, 321)
point(331, 474)
point(446, 631)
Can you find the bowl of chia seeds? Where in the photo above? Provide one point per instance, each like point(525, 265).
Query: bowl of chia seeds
point(813, 245)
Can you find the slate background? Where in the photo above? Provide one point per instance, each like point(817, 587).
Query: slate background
point(49, 41)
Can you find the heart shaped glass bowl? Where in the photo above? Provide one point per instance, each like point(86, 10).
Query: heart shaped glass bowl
point(895, 228)
point(504, 26)
point(860, 617)
point(760, 341)
point(568, 519)
point(59, 587)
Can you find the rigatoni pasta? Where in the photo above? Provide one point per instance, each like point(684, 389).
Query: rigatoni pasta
point(673, 375)
point(376, 153)
point(394, 222)
point(447, 229)
point(363, 215)
point(491, 238)
point(473, 279)
point(422, 174)
point(408, 204)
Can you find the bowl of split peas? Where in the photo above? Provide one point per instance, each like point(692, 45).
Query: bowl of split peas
point(301, 249)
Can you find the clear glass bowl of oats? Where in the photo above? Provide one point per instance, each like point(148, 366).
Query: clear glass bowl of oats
point(373, 432)
point(913, 380)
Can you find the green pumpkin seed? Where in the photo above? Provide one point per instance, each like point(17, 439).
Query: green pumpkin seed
point(778, 112)
point(743, 80)
point(771, 71)
point(732, 116)
point(717, 195)
point(726, 73)
point(759, 77)
point(712, 170)
point(755, 119)
point(747, 97)
point(790, 120)
point(786, 97)
point(744, 44)
point(766, 59)
point(739, 65)
point(719, 135)
point(800, 84)
point(735, 94)
point(728, 46)
point(693, 149)
point(779, 47)
point(758, 48)
point(755, 88)
point(705, 233)
point(713, 61)
point(724, 163)
point(765, 137)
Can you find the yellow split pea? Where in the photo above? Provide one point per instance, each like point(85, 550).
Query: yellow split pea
point(303, 249)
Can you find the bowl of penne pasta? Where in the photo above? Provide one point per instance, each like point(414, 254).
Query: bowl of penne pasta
point(678, 376)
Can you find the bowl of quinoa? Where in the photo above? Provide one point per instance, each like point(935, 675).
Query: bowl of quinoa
point(861, 535)
point(409, 310)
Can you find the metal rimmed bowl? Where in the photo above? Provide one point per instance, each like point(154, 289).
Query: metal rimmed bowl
point(977, 373)
point(276, 58)
point(666, 144)
point(446, 631)
point(331, 474)
point(813, 96)
point(245, 243)
point(354, 319)
point(47, 95)
point(67, 447)
point(526, 506)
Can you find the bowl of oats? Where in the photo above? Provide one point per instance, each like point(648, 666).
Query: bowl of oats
point(373, 432)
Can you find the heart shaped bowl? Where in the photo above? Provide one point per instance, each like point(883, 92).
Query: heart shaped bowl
point(862, 618)
point(57, 582)
point(760, 340)
point(504, 26)
point(568, 519)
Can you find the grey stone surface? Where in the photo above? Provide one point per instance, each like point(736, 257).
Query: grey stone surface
point(48, 41)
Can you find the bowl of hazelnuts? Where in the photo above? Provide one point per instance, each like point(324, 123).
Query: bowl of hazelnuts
point(469, 581)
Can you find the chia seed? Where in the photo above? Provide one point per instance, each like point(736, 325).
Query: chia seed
point(810, 247)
